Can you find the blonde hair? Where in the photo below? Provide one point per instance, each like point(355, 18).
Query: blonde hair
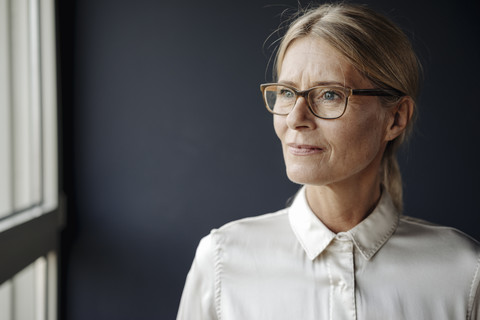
point(378, 49)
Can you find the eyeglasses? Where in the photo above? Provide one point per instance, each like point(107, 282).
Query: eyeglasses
point(326, 102)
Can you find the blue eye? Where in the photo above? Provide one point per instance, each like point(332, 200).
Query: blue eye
point(327, 97)
point(330, 95)
point(286, 93)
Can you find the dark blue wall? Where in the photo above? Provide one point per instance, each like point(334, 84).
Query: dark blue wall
point(165, 136)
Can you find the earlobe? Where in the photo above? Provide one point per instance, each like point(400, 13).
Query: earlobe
point(401, 116)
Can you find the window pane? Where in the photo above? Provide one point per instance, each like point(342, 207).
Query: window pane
point(22, 151)
point(49, 105)
point(24, 294)
point(32, 293)
point(6, 300)
point(5, 137)
point(35, 160)
point(28, 156)
point(52, 285)
point(29, 291)
point(40, 288)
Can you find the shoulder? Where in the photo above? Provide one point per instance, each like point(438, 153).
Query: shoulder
point(446, 243)
point(250, 233)
point(441, 234)
point(264, 227)
point(437, 257)
point(256, 223)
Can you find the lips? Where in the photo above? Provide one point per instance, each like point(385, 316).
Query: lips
point(303, 149)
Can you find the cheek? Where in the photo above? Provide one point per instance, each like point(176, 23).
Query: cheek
point(280, 126)
point(358, 140)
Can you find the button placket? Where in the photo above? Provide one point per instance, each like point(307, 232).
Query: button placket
point(342, 281)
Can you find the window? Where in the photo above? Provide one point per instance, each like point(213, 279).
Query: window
point(30, 218)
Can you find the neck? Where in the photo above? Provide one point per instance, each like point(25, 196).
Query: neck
point(342, 206)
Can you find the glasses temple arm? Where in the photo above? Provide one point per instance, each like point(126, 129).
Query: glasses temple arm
point(378, 92)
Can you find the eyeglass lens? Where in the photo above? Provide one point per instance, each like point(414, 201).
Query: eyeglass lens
point(325, 102)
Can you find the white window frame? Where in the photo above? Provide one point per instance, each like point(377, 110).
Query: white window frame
point(31, 214)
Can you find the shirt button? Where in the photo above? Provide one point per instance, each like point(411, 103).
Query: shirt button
point(342, 236)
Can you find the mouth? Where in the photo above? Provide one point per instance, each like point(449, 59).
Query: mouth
point(303, 149)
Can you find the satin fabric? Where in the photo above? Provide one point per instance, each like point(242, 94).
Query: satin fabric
point(288, 265)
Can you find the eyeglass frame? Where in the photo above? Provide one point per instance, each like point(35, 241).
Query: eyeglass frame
point(377, 92)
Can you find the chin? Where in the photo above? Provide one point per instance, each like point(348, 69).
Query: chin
point(304, 176)
point(313, 170)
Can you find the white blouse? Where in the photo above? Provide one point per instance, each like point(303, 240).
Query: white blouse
point(287, 266)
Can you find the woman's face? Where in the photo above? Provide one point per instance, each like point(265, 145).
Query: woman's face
point(325, 152)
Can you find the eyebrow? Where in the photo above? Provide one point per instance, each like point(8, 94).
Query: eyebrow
point(315, 84)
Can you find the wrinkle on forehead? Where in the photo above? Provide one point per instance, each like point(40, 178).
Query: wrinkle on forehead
point(311, 60)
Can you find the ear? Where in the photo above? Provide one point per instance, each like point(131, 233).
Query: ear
point(400, 116)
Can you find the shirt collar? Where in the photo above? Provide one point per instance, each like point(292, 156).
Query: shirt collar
point(368, 236)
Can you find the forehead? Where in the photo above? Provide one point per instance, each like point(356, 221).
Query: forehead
point(311, 61)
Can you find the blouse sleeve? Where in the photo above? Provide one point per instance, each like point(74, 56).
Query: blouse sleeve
point(198, 298)
point(475, 293)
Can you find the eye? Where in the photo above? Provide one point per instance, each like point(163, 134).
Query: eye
point(286, 93)
point(327, 97)
point(330, 95)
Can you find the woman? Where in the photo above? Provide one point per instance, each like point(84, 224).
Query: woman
point(343, 103)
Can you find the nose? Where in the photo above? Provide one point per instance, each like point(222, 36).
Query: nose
point(301, 117)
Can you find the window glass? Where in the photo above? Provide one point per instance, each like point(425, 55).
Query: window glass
point(28, 158)
point(5, 137)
